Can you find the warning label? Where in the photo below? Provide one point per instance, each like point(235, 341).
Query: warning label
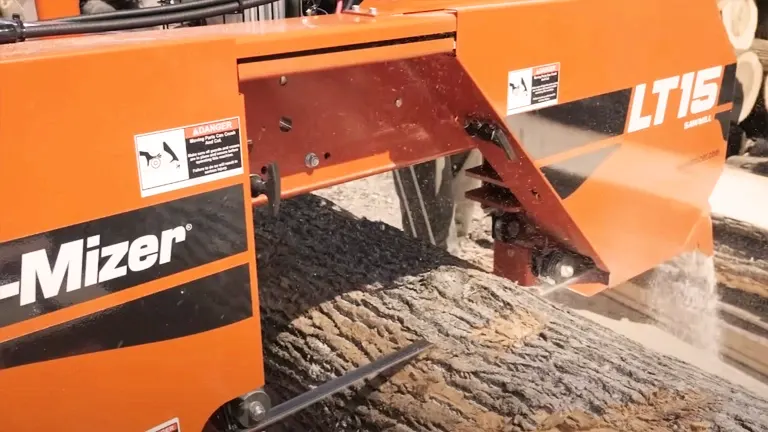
point(169, 426)
point(190, 155)
point(532, 88)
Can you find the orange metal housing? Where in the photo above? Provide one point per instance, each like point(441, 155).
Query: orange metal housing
point(366, 94)
point(54, 9)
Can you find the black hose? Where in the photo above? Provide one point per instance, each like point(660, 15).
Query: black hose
point(65, 29)
point(137, 13)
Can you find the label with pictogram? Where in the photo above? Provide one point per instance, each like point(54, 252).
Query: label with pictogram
point(169, 426)
point(533, 88)
point(187, 156)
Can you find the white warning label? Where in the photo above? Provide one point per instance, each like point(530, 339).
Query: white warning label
point(190, 155)
point(532, 88)
point(169, 426)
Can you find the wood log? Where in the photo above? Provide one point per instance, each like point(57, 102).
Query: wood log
point(740, 18)
point(337, 292)
point(760, 47)
point(762, 19)
point(755, 125)
point(740, 255)
point(749, 73)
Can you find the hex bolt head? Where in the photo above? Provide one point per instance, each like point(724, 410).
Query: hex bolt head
point(355, 8)
point(373, 11)
point(566, 271)
point(311, 160)
point(256, 411)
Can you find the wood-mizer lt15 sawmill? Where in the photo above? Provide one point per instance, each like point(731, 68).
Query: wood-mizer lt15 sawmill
point(130, 160)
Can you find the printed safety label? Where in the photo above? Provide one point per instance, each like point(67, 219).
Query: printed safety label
point(169, 426)
point(531, 88)
point(190, 155)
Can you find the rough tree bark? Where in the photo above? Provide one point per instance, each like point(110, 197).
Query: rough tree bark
point(337, 292)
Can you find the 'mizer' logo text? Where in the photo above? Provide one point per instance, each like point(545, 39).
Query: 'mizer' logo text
point(698, 94)
point(84, 263)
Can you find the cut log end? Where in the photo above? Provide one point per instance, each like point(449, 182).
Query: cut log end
point(337, 292)
point(749, 72)
point(740, 18)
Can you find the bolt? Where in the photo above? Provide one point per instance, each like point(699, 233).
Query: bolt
point(285, 124)
point(373, 11)
point(256, 410)
point(283, 80)
point(399, 102)
point(355, 8)
point(311, 160)
point(566, 271)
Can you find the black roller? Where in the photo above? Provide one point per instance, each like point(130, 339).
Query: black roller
point(15, 31)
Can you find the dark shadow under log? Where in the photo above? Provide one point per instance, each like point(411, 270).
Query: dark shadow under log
point(337, 292)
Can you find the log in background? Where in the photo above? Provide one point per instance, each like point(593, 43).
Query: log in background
point(337, 292)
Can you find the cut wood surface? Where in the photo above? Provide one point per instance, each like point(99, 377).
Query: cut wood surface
point(742, 335)
point(749, 72)
point(760, 48)
point(740, 19)
point(740, 195)
point(741, 250)
point(337, 292)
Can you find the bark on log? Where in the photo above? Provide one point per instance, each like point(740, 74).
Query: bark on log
point(337, 292)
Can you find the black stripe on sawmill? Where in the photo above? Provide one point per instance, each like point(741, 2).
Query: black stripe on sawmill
point(724, 118)
point(587, 120)
point(727, 87)
point(349, 47)
point(568, 175)
point(212, 225)
point(202, 305)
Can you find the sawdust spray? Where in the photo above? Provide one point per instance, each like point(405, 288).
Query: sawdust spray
point(684, 293)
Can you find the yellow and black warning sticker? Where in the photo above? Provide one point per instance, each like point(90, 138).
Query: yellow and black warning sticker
point(189, 155)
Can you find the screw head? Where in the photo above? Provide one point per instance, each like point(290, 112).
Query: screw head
point(256, 410)
point(285, 124)
point(566, 271)
point(399, 102)
point(311, 160)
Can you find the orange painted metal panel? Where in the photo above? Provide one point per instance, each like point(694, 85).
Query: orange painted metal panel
point(365, 95)
point(54, 9)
